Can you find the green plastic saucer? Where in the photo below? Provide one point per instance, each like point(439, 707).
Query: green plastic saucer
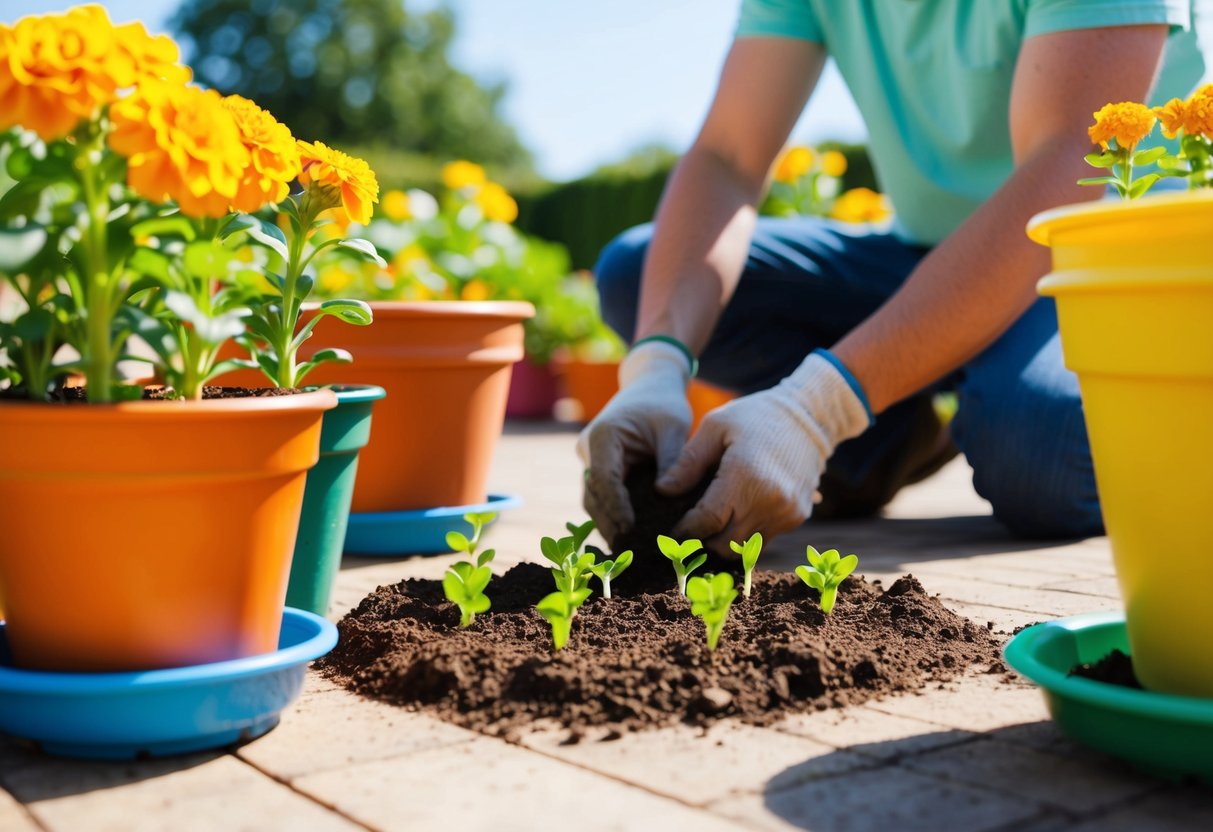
point(1163, 734)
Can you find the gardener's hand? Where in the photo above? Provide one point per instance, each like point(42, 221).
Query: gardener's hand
point(772, 447)
point(649, 418)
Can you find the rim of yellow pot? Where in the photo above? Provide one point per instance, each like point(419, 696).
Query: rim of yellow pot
point(1043, 227)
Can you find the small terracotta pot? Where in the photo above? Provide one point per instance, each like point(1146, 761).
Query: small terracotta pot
point(533, 391)
point(200, 577)
point(592, 384)
point(446, 368)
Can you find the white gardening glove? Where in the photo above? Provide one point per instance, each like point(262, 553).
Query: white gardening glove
point(772, 447)
point(649, 418)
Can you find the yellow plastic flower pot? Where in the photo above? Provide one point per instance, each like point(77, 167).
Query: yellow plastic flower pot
point(1133, 283)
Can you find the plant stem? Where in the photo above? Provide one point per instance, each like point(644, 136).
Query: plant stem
point(828, 596)
point(98, 363)
point(682, 582)
point(606, 586)
point(746, 587)
point(288, 319)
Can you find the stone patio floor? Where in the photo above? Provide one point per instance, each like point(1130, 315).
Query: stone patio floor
point(977, 754)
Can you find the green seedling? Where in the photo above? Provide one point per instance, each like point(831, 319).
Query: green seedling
point(678, 554)
point(605, 570)
point(826, 570)
point(749, 551)
point(571, 569)
point(558, 609)
point(711, 596)
point(464, 583)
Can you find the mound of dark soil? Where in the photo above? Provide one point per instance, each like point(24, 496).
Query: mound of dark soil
point(1116, 668)
point(641, 660)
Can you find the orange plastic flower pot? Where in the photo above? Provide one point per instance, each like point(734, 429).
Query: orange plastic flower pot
point(446, 368)
point(592, 384)
point(150, 534)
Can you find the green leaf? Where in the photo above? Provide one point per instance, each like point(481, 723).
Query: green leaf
point(552, 605)
point(736, 547)
point(696, 563)
point(1100, 160)
point(453, 588)
point(20, 245)
point(1148, 157)
point(845, 567)
point(668, 547)
point(551, 550)
point(698, 590)
point(365, 249)
point(174, 225)
point(1142, 185)
point(722, 583)
point(457, 541)
point(265, 233)
point(486, 557)
point(580, 533)
point(814, 557)
point(204, 259)
point(463, 569)
point(479, 579)
point(355, 312)
point(479, 604)
point(829, 558)
point(332, 355)
point(482, 518)
point(805, 574)
point(621, 563)
point(1098, 180)
point(1171, 163)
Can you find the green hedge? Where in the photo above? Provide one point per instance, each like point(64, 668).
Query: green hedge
point(587, 213)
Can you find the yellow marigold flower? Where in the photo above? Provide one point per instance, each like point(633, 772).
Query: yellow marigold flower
point(833, 163)
point(476, 289)
point(396, 206)
point(1127, 122)
point(459, 175)
point(340, 178)
point(861, 205)
point(1198, 113)
point(334, 278)
point(272, 150)
point(794, 163)
point(496, 203)
point(1171, 117)
point(58, 69)
point(182, 144)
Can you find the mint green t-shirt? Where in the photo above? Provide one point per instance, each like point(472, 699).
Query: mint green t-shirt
point(932, 79)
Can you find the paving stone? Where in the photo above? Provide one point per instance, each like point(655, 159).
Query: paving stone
point(13, 816)
point(980, 702)
point(1170, 810)
point(1041, 601)
point(202, 792)
point(337, 728)
point(872, 733)
point(675, 761)
point(1104, 587)
point(1035, 775)
point(1005, 621)
point(890, 798)
point(490, 785)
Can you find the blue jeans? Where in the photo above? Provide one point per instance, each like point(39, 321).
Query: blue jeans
point(808, 282)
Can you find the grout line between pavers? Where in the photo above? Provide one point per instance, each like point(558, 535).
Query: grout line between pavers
point(607, 776)
point(310, 797)
point(896, 758)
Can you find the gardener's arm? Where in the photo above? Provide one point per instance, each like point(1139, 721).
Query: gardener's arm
point(703, 232)
point(974, 285)
point(772, 445)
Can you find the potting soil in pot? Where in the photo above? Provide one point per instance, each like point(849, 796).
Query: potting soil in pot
point(640, 659)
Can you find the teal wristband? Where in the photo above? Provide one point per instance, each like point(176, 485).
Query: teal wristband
point(673, 342)
point(850, 379)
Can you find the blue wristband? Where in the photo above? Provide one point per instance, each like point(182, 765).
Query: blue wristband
point(673, 342)
point(851, 381)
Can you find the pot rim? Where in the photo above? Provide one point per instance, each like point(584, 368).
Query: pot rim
point(318, 399)
point(512, 309)
point(1043, 227)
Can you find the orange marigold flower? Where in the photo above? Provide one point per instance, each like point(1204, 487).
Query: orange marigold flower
point(794, 163)
point(1127, 122)
point(1171, 117)
point(1198, 113)
point(833, 163)
point(273, 151)
point(339, 179)
point(182, 144)
point(496, 203)
point(59, 69)
point(459, 175)
point(476, 289)
point(861, 205)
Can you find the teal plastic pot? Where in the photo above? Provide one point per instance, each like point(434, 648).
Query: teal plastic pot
point(326, 500)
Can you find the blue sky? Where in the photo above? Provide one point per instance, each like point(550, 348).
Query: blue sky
point(588, 81)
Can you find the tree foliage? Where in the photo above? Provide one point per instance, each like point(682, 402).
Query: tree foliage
point(366, 72)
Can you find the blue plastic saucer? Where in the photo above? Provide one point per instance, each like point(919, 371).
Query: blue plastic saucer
point(418, 532)
point(119, 716)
